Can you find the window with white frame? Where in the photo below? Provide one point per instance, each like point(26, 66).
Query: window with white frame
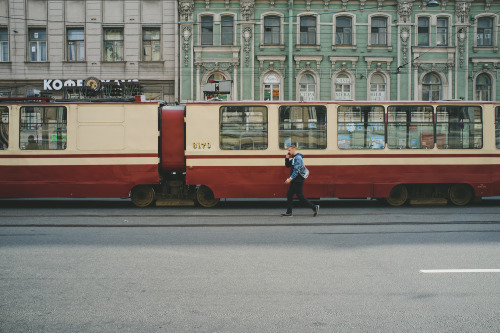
point(483, 87)
point(423, 31)
point(308, 30)
point(307, 86)
point(4, 45)
point(377, 88)
point(37, 44)
point(272, 87)
point(113, 44)
point(227, 30)
point(485, 31)
point(442, 31)
point(431, 87)
point(272, 30)
point(343, 87)
point(76, 44)
point(343, 30)
point(151, 44)
point(207, 30)
point(379, 31)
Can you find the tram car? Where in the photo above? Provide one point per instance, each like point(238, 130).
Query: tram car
point(418, 152)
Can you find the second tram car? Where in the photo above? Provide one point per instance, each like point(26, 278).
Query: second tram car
point(204, 151)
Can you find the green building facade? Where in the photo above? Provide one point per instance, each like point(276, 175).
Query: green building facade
point(319, 50)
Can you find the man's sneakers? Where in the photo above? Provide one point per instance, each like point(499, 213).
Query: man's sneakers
point(287, 214)
point(315, 210)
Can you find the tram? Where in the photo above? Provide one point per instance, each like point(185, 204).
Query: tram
point(417, 152)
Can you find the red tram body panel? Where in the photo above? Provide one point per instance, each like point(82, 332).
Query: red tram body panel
point(232, 170)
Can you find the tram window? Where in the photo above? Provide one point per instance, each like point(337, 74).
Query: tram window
point(361, 127)
point(43, 128)
point(243, 127)
point(497, 125)
point(4, 128)
point(459, 127)
point(303, 126)
point(410, 127)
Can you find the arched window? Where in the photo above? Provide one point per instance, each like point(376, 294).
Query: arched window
point(217, 89)
point(483, 87)
point(431, 87)
point(343, 89)
point(307, 88)
point(272, 87)
point(377, 88)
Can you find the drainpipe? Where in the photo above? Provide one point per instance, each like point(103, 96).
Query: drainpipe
point(290, 51)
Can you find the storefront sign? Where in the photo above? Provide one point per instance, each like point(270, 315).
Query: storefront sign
point(59, 84)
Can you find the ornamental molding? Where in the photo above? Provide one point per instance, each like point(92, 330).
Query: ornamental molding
point(308, 60)
point(186, 9)
point(404, 11)
point(186, 36)
point(247, 34)
point(247, 8)
point(405, 35)
point(462, 10)
point(344, 60)
point(461, 38)
point(272, 60)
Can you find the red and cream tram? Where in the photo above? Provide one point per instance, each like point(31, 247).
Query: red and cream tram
point(400, 151)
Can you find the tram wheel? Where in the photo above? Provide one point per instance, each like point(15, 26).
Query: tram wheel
point(460, 194)
point(205, 197)
point(398, 196)
point(142, 195)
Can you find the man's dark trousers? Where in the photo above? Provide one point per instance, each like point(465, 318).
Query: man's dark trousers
point(296, 188)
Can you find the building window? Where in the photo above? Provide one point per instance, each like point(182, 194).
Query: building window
point(43, 128)
point(37, 45)
point(207, 30)
point(459, 127)
point(151, 44)
point(410, 127)
point(215, 81)
point(497, 125)
point(442, 31)
point(485, 31)
point(423, 31)
point(307, 88)
point(344, 30)
point(343, 87)
point(308, 30)
point(379, 31)
point(4, 45)
point(377, 88)
point(227, 30)
point(483, 87)
point(361, 127)
point(272, 33)
point(303, 126)
point(431, 87)
point(271, 88)
point(4, 128)
point(243, 127)
point(113, 44)
point(76, 45)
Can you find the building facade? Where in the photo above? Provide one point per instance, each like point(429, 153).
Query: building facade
point(77, 48)
point(338, 50)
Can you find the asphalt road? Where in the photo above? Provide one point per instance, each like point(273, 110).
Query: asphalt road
point(88, 266)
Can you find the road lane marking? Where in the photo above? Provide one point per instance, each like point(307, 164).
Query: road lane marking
point(443, 271)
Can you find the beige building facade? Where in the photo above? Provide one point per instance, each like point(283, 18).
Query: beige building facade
point(73, 48)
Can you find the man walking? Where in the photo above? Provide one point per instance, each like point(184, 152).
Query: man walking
point(294, 161)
